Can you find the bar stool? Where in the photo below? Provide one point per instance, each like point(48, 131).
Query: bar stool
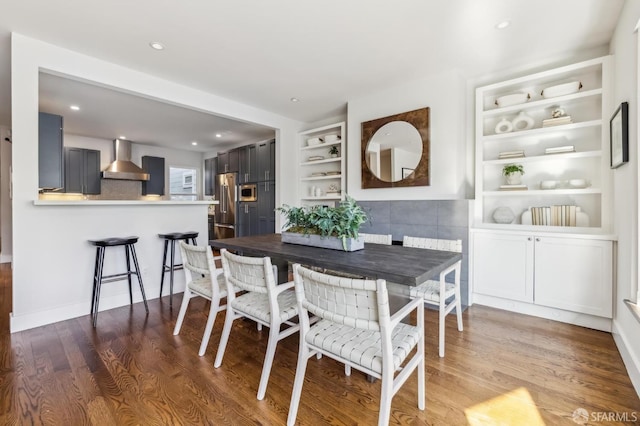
point(172, 237)
point(98, 278)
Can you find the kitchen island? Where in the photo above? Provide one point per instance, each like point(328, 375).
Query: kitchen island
point(54, 281)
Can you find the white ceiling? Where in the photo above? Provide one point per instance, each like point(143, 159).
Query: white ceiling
point(323, 53)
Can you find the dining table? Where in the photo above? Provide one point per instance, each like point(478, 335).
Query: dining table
point(402, 267)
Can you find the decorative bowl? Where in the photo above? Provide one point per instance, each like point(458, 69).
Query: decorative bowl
point(512, 99)
point(561, 89)
point(548, 184)
point(578, 183)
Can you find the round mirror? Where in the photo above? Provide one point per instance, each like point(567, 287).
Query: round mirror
point(394, 151)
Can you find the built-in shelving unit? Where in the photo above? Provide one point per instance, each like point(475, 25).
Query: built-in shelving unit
point(563, 272)
point(322, 180)
point(587, 133)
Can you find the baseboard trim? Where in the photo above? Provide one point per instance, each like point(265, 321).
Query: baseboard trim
point(583, 320)
point(6, 258)
point(40, 318)
point(629, 359)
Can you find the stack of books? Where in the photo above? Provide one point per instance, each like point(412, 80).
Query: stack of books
point(560, 149)
point(510, 154)
point(565, 119)
point(562, 215)
point(513, 187)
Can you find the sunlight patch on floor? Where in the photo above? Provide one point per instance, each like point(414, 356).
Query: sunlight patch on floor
point(512, 408)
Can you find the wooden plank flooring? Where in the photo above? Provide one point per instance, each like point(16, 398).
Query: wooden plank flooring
point(505, 368)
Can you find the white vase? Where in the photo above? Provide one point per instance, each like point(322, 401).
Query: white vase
point(522, 122)
point(503, 126)
point(514, 178)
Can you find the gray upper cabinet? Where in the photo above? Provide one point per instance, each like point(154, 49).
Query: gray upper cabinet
point(267, 160)
point(155, 167)
point(82, 171)
point(248, 164)
point(50, 152)
point(210, 175)
point(228, 161)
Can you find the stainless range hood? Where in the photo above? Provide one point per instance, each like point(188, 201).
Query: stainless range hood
point(122, 167)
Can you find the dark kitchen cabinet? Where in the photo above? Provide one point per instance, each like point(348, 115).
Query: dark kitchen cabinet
point(155, 167)
point(210, 175)
point(266, 207)
point(82, 171)
point(248, 164)
point(228, 161)
point(267, 160)
point(50, 152)
point(248, 219)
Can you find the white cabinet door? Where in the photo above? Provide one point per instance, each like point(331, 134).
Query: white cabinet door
point(503, 266)
point(574, 274)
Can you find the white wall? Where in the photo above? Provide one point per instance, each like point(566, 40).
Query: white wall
point(444, 95)
point(5, 200)
point(625, 187)
point(52, 261)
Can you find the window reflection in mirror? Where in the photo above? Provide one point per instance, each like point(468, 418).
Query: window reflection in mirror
point(394, 151)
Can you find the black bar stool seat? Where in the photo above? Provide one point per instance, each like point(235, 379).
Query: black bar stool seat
point(99, 278)
point(172, 237)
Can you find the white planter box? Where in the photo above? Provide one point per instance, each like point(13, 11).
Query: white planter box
point(333, 243)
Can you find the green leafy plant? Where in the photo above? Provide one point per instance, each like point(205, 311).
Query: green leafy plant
point(342, 221)
point(333, 150)
point(510, 169)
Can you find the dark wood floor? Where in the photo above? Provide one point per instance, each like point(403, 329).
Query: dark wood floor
point(504, 368)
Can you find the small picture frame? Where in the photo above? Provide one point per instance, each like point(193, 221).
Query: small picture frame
point(406, 172)
point(619, 135)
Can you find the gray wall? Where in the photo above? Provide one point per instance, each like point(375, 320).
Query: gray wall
point(445, 220)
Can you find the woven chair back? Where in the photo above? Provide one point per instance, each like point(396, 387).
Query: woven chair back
point(353, 302)
point(248, 273)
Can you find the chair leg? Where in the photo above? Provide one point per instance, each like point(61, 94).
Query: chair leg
point(301, 368)
point(126, 255)
point(386, 395)
point(95, 279)
point(421, 366)
point(98, 285)
point(139, 275)
point(186, 298)
point(164, 265)
point(268, 360)
point(211, 320)
point(458, 297)
point(347, 370)
point(259, 326)
point(173, 259)
point(441, 317)
point(226, 331)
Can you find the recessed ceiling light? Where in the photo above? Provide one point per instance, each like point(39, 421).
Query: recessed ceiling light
point(75, 107)
point(294, 99)
point(122, 137)
point(194, 143)
point(156, 45)
point(502, 25)
point(218, 135)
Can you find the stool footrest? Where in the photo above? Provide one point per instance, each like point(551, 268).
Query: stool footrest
point(117, 277)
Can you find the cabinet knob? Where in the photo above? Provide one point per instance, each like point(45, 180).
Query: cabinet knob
point(537, 239)
point(529, 239)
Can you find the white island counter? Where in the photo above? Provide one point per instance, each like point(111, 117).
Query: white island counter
point(61, 261)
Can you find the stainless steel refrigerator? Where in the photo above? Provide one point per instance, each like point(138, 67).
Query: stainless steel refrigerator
point(225, 216)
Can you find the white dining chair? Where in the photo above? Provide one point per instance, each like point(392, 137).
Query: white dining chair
point(202, 279)
point(264, 302)
point(356, 328)
point(437, 292)
point(376, 238)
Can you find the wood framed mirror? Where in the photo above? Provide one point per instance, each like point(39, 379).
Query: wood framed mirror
point(395, 150)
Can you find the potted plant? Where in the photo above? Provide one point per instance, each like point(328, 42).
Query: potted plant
point(333, 151)
point(323, 226)
point(513, 173)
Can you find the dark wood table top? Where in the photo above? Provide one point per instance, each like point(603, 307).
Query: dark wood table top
point(398, 264)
